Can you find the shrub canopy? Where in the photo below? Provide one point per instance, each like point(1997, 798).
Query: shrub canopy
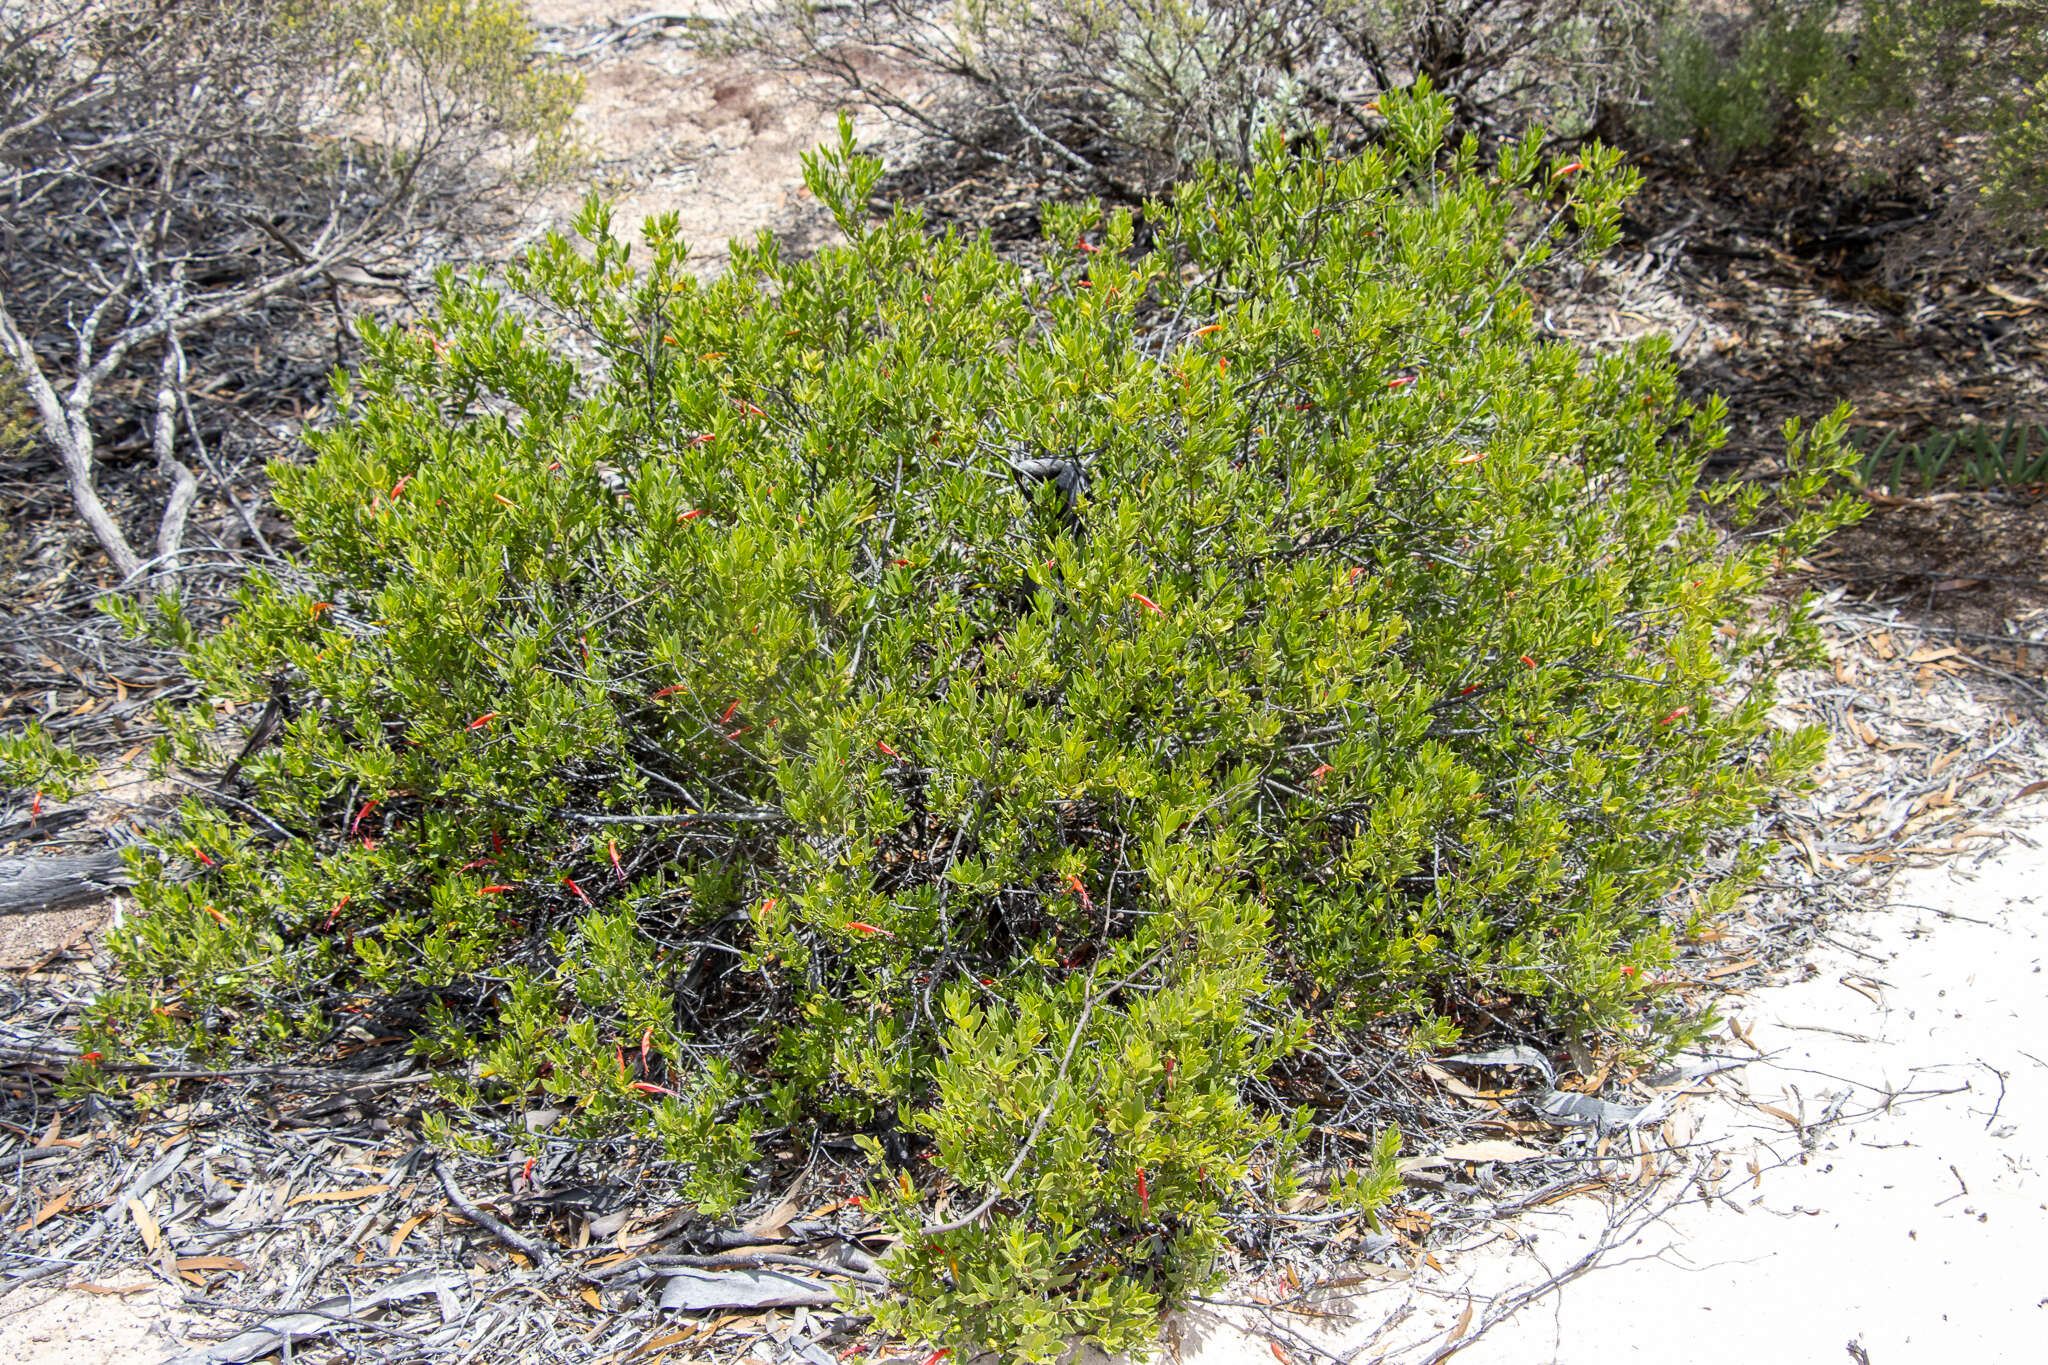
point(700, 720)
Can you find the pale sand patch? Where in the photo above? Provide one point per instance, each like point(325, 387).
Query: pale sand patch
point(1912, 1228)
point(73, 1327)
point(717, 141)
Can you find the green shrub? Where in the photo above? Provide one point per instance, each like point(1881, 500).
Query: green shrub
point(704, 727)
point(1743, 91)
point(1955, 90)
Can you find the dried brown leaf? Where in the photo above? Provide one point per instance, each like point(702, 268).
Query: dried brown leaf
point(55, 1205)
point(336, 1196)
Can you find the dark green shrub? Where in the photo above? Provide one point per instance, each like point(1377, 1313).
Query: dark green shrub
point(1742, 90)
point(698, 725)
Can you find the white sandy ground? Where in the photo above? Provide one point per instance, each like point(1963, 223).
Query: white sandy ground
point(1914, 1227)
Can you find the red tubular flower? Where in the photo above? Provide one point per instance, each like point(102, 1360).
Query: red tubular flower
point(651, 1088)
point(645, 1039)
point(1675, 715)
point(399, 487)
point(570, 882)
point(493, 890)
point(726, 717)
point(1527, 662)
point(1149, 604)
point(1571, 169)
point(1321, 772)
point(1074, 884)
point(356, 825)
point(859, 928)
point(483, 720)
point(612, 846)
point(691, 515)
point(1144, 1195)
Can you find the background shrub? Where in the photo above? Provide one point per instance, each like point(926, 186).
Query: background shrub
point(1121, 97)
point(1953, 93)
point(1956, 90)
point(699, 718)
point(1742, 85)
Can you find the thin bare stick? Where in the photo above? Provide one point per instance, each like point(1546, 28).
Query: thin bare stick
point(170, 531)
point(526, 1247)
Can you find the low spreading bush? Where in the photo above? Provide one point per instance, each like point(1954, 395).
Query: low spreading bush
point(34, 766)
point(1001, 713)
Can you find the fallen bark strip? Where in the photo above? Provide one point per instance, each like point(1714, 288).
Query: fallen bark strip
point(28, 885)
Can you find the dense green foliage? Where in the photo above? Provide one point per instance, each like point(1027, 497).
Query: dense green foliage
point(698, 722)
